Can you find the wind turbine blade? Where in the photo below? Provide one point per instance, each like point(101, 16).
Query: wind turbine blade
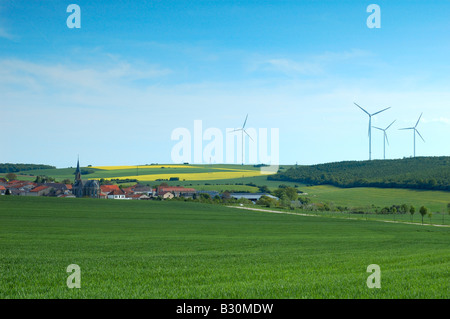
point(385, 135)
point(362, 109)
point(420, 135)
point(245, 121)
point(378, 128)
point(407, 128)
point(381, 111)
point(418, 120)
point(238, 129)
point(248, 135)
point(390, 125)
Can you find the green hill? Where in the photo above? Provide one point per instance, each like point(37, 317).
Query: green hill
point(432, 173)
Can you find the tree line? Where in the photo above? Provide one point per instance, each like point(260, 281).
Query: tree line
point(14, 168)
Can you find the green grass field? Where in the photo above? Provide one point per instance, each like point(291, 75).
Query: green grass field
point(153, 249)
point(436, 201)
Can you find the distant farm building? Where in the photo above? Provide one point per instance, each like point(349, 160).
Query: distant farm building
point(177, 191)
point(251, 196)
point(40, 191)
point(116, 194)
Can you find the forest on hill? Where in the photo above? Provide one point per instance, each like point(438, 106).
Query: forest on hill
point(431, 173)
point(14, 168)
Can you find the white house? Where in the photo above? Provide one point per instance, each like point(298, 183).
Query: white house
point(116, 194)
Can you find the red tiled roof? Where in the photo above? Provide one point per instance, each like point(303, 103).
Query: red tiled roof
point(2, 188)
point(109, 188)
point(69, 186)
point(129, 190)
point(137, 195)
point(39, 188)
point(18, 184)
point(116, 192)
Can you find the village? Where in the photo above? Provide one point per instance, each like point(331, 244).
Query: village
point(135, 192)
point(92, 188)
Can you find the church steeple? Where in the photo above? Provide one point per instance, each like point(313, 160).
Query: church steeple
point(78, 171)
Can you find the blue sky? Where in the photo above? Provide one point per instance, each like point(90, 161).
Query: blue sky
point(115, 89)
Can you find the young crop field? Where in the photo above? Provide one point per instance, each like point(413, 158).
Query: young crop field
point(154, 249)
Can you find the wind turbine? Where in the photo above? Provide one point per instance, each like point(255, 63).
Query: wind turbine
point(242, 133)
point(385, 139)
point(415, 130)
point(370, 126)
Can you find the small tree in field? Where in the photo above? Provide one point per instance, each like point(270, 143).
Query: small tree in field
point(404, 208)
point(430, 214)
point(423, 211)
point(11, 176)
point(394, 211)
point(412, 210)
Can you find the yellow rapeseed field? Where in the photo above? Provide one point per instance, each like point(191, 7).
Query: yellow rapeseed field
point(111, 168)
point(195, 176)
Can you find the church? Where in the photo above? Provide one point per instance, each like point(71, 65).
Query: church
point(85, 188)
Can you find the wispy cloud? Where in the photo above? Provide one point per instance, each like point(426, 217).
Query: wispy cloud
point(310, 65)
point(333, 57)
point(38, 75)
point(443, 120)
point(292, 67)
point(5, 34)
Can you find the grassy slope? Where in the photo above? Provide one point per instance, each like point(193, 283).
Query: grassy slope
point(365, 196)
point(187, 250)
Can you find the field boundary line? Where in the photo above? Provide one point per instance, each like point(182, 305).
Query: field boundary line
point(308, 215)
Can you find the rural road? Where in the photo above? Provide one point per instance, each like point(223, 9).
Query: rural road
point(308, 215)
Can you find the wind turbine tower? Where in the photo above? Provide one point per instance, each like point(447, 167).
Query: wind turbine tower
point(242, 134)
point(385, 138)
point(415, 131)
point(370, 126)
